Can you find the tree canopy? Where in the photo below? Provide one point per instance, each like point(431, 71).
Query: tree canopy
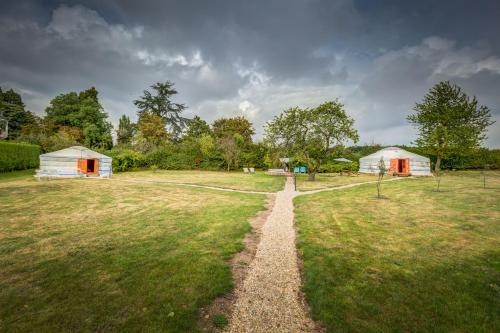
point(448, 120)
point(160, 104)
point(311, 134)
point(13, 110)
point(125, 131)
point(82, 110)
point(196, 127)
point(223, 127)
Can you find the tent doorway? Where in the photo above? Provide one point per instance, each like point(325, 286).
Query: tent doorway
point(88, 166)
point(400, 166)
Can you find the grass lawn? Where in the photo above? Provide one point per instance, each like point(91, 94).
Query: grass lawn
point(417, 261)
point(237, 180)
point(101, 255)
point(326, 180)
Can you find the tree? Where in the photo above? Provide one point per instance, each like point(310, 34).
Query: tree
point(197, 127)
point(161, 105)
point(125, 131)
point(230, 146)
point(12, 109)
point(82, 110)
point(151, 131)
point(224, 127)
point(311, 134)
point(382, 169)
point(448, 120)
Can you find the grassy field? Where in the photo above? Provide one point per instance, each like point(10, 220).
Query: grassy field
point(258, 181)
point(101, 255)
point(417, 261)
point(326, 180)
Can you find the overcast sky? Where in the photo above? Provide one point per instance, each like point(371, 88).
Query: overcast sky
point(256, 58)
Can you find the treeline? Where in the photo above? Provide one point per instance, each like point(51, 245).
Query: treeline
point(70, 119)
point(163, 138)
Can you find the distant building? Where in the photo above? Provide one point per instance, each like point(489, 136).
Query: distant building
point(398, 161)
point(75, 161)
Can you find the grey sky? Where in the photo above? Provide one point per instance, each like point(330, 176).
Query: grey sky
point(256, 58)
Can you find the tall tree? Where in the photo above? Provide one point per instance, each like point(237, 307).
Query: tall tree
point(230, 145)
point(448, 120)
point(311, 134)
point(161, 105)
point(196, 127)
point(237, 125)
point(125, 131)
point(12, 109)
point(151, 131)
point(83, 111)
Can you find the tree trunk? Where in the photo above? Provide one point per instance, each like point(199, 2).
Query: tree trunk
point(311, 176)
point(437, 167)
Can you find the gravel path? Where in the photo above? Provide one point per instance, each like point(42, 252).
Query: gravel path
point(269, 299)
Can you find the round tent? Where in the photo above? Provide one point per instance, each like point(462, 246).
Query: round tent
point(398, 161)
point(74, 161)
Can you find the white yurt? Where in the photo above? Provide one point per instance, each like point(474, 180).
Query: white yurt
point(398, 161)
point(74, 161)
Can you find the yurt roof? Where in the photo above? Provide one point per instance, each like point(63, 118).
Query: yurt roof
point(394, 152)
point(75, 152)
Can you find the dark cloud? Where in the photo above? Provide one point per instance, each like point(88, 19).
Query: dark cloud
point(256, 57)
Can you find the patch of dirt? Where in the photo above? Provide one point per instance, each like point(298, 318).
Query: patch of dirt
point(239, 267)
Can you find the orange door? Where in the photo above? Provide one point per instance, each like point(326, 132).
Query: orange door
point(406, 166)
point(394, 166)
point(82, 166)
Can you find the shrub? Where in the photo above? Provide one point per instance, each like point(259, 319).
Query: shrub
point(18, 156)
point(125, 160)
point(338, 167)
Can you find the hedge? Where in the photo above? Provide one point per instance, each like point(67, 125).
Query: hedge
point(18, 156)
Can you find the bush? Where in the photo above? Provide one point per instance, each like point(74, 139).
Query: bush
point(338, 167)
point(170, 157)
point(125, 159)
point(18, 156)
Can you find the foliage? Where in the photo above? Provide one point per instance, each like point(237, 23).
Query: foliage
point(225, 127)
point(151, 132)
point(81, 110)
point(18, 156)
point(197, 127)
point(13, 110)
point(125, 131)
point(311, 134)
point(160, 104)
point(231, 147)
point(220, 320)
point(447, 120)
point(126, 159)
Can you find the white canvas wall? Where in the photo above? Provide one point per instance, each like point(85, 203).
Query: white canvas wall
point(64, 163)
point(419, 165)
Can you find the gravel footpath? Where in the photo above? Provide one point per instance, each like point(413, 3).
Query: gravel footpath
point(269, 300)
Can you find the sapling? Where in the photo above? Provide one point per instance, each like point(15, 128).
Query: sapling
point(381, 172)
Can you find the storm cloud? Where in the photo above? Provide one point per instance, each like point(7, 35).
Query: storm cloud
point(256, 58)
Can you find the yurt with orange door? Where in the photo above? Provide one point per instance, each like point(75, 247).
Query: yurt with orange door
point(398, 161)
point(74, 161)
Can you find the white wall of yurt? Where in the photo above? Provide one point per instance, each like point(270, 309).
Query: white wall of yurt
point(64, 163)
point(419, 165)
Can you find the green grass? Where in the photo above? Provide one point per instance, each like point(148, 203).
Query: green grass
point(417, 261)
point(258, 181)
point(16, 175)
point(326, 180)
point(102, 255)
